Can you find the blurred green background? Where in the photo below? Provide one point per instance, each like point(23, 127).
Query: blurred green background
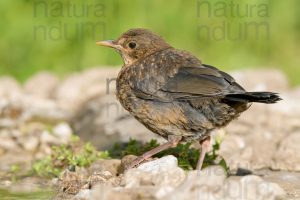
point(59, 36)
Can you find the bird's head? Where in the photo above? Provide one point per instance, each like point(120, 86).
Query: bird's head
point(135, 44)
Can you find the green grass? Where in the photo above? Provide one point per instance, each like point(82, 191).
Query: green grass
point(75, 154)
point(24, 51)
point(39, 195)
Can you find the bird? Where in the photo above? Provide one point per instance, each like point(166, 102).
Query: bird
point(174, 94)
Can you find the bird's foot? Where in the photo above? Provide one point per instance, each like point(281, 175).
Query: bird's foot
point(204, 149)
point(173, 141)
point(136, 162)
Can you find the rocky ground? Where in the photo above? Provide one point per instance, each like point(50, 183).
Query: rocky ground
point(261, 147)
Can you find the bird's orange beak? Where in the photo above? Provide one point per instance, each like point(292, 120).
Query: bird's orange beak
point(107, 43)
point(111, 44)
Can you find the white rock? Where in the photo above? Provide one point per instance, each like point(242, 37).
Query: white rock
point(261, 79)
point(160, 172)
point(9, 87)
point(204, 185)
point(41, 84)
point(103, 192)
point(7, 143)
point(231, 149)
point(63, 131)
point(102, 120)
point(211, 184)
point(84, 194)
point(48, 138)
point(44, 150)
point(163, 191)
point(251, 188)
point(29, 143)
point(43, 109)
point(22, 108)
point(80, 87)
point(287, 156)
point(7, 183)
point(160, 165)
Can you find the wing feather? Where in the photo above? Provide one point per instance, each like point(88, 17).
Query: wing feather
point(180, 79)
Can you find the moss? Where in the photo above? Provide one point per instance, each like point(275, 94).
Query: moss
point(75, 154)
point(14, 170)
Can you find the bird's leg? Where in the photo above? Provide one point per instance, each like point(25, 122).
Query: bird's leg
point(203, 150)
point(172, 142)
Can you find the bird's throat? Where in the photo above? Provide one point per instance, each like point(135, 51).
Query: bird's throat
point(127, 59)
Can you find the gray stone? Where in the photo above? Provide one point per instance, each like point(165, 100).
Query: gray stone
point(24, 108)
point(261, 79)
point(160, 172)
point(211, 183)
point(41, 84)
point(8, 143)
point(73, 182)
point(251, 188)
point(99, 177)
point(289, 181)
point(102, 121)
point(160, 165)
point(48, 138)
point(84, 194)
point(206, 184)
point(106, 192)
point(9, 87)
point(287, 156)
point(29, 143)
point(111, 165)
point(79, 87)
point(63, 132)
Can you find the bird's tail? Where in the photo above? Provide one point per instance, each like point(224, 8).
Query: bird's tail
point(260, 97)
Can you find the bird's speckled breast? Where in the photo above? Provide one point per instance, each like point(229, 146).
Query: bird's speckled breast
point(123, 90)
point(158, 117)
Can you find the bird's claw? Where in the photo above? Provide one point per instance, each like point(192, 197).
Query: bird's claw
point(135, 163)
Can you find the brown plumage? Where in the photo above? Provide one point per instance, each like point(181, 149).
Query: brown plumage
point(174, 94)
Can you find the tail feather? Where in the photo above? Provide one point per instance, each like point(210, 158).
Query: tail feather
point(260, 97)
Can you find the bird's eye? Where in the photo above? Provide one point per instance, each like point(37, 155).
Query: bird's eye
point(132, 45)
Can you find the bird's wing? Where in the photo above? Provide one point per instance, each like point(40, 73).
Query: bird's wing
point(202, 81)
point(180, 82)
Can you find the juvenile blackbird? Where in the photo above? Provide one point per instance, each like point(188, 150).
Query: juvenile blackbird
point(174, 94)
